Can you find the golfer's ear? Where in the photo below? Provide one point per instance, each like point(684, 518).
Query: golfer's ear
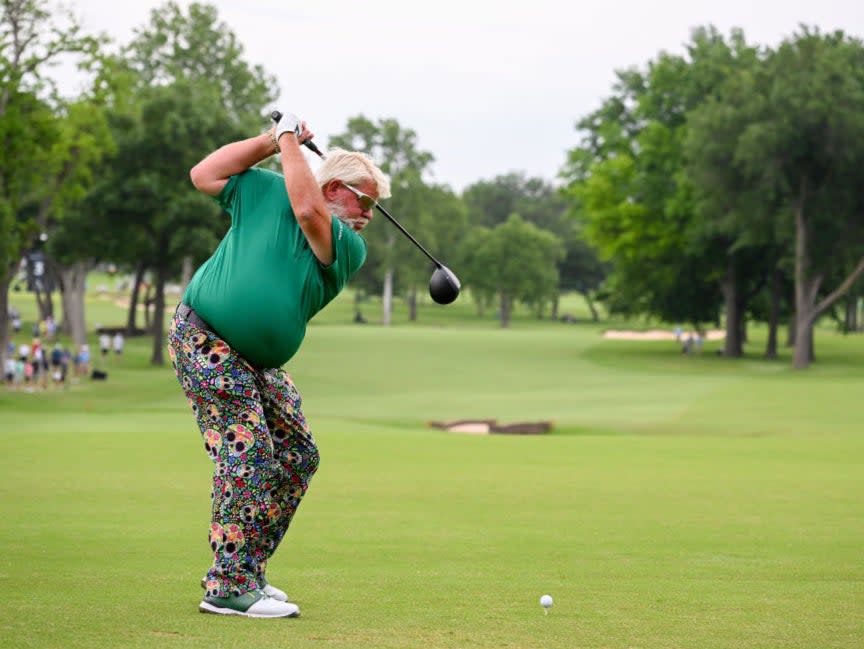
point(330, 189)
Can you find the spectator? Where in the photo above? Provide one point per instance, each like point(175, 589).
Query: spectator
point(104, 344)
point(65, 360)
point(56, 362)
point(36, 355)
point(50, 328)
point(118, 343)
point(9, 372)
point(28, 375)
point(39, 361)
point(19, 373)
point(688, 344)
point(82, 361)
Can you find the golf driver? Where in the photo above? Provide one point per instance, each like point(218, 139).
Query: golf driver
point(443, 285)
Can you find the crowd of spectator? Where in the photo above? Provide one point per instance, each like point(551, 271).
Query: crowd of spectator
point(43, 362)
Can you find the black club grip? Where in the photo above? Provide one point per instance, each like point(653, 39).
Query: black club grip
point(309, 144)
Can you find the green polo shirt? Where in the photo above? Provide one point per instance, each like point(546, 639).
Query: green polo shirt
point(263, 283)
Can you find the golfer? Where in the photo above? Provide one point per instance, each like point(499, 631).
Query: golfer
point(292, 245)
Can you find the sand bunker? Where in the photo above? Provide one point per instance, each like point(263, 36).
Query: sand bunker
point(660, 334)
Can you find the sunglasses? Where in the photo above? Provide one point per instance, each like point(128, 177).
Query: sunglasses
point(365, 200)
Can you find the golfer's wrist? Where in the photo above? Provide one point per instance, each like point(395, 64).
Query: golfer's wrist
point(282, 141)
point(271, 141)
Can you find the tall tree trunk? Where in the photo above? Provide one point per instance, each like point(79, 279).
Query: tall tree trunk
point(850, 320)
point(412, 305)
point(595, 315)
point(131, 320)
point(806, 292)
point(859, 315)
point(158, 329)
point(732, 345)
point(148, 302)
point(774, 314)
point(44, 304)
point(506, 308)
point(387, 298)
point(52, 280)
point(186, 274)
point(73, 278)
point(805, 288)
point(555, 305)
point(5, 283)
point(791, 333)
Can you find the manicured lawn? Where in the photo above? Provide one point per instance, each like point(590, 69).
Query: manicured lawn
point(690, 502)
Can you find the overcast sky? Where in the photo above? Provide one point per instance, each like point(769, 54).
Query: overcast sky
point(489, 86)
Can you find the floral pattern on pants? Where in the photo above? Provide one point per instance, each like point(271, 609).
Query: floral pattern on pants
point(263, 453)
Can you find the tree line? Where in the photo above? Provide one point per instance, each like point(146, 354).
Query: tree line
point(727, 181)
point(718, 184)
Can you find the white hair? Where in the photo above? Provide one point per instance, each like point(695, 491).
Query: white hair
point(353, 168)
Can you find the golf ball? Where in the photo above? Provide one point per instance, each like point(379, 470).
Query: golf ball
point(546, 601)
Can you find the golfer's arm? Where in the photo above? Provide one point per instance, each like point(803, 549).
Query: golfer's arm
point(307, 200)
point(212, 173)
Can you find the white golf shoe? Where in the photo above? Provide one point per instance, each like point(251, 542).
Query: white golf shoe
point(275, 593)
point(252, 604)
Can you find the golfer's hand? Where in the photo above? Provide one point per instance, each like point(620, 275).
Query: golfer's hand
point(291, 124)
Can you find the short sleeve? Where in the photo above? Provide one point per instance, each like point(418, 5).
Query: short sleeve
point(227, 198)
point(252, 187)
point(349, 254)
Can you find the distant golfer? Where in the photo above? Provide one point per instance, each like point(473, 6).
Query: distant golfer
point(242, 317)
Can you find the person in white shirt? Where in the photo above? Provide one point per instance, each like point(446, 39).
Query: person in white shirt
point(9, 371)
point(104, 344)
point(118, 343)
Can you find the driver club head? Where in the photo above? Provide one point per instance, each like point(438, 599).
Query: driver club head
point(444, 285)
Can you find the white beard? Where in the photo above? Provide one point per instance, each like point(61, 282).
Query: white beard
point(338, 209)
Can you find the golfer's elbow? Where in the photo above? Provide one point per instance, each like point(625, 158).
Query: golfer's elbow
point(307, 203)
point(305, 212)
point(204, 180)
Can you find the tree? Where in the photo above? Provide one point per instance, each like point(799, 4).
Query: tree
point(197, 46)
point(42, 160)
point(517, 260)
point(633, 200)
point(490, 203)
point(156, 216)
point(736, 209)
point(193, 92)
point(792, 144)
point(441, 225)
point(581, 270)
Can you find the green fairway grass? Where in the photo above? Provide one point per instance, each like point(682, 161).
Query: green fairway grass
point(679, 502)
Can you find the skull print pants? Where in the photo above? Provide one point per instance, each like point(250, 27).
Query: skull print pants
point(263, 453)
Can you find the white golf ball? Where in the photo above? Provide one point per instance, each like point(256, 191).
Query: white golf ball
point(546, 601)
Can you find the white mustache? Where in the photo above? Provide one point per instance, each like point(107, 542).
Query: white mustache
point(355, 224)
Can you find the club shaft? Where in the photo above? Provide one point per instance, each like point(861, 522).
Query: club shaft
point(408, 234)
